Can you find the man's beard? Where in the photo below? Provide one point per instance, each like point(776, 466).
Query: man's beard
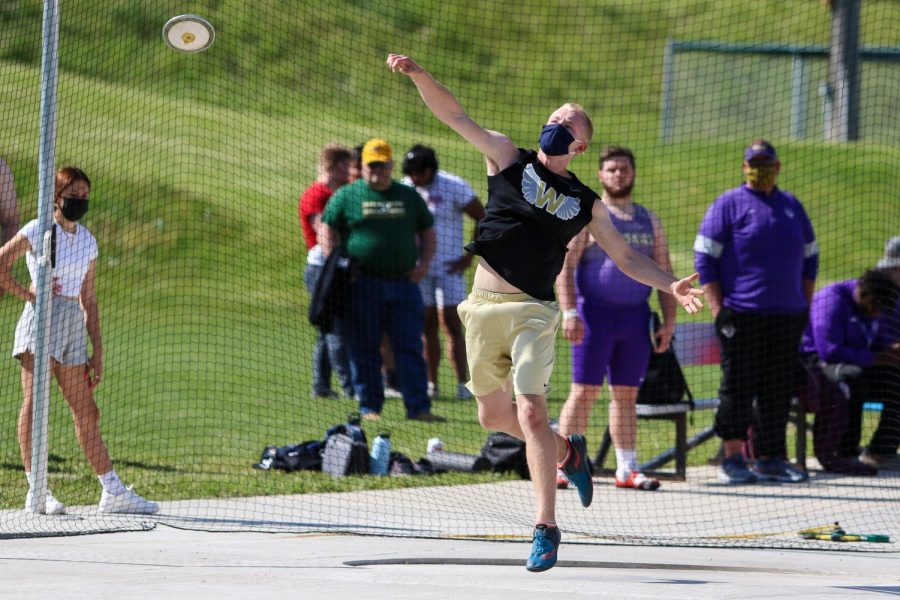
point(617, 193)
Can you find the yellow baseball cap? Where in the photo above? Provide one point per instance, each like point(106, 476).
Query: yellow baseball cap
point(375, 151)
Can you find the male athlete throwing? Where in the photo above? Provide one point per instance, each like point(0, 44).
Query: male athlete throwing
point(535, 207)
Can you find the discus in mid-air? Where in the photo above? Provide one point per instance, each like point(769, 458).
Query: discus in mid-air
point(188, 34)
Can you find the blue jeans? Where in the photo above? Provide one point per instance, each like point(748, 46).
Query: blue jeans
point(393, 306)
point(329, 351)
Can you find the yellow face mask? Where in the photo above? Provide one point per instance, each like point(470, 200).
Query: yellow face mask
point(761, 176)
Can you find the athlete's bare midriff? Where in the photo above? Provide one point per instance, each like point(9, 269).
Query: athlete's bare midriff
point(489, 280)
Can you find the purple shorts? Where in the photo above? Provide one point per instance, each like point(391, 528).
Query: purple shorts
point(616, 344)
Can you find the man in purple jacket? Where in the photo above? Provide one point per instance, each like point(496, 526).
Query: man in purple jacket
point(847, 336)
point(758, 260)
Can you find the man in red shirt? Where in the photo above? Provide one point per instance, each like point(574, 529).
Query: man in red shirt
point(329, 351)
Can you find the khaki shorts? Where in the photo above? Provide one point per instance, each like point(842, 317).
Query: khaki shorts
point(509, 336)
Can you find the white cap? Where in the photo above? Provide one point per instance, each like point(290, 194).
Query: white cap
point(891, 258)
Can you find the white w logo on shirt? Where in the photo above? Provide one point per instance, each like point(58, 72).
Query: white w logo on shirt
point(537, 192)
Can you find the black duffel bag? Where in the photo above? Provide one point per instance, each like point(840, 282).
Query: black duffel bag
point(506, 453)
point(664, 381)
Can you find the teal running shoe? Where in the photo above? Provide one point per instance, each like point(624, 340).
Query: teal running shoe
point(544, 548)
point(578, 469)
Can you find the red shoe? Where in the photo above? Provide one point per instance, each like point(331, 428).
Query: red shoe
point(562, 482)
point(638, 481)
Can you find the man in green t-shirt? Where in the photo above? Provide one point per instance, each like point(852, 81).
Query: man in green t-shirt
point(386, 229)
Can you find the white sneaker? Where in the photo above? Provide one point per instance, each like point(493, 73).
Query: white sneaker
point(432, 390)
point(52, 506)
point(128, 502)
point(462, 392)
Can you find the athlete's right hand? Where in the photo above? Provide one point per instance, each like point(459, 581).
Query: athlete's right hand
point(686, 294)
point(573, 329)
point(403, 64)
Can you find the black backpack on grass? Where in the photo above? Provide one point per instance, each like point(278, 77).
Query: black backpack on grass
point(344, 456)
point(506, 453)
point(346, 450)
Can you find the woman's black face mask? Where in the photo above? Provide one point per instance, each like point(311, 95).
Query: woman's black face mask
point(74, 208)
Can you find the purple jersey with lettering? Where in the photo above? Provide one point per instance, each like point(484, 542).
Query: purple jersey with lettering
point(759, 247)
point(599, 281)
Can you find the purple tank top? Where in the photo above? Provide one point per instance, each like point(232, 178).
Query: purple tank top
point(599, 281)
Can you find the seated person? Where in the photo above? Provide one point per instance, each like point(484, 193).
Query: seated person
point(889, 322)
point(844, 343)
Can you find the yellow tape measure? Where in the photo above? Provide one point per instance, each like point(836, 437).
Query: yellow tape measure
point(834, 533)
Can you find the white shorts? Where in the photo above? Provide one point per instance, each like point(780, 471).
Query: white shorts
point(442, 289)
point(68, 334)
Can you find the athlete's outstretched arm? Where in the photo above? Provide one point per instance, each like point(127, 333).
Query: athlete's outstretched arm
point(496, 147)
point(639, 267)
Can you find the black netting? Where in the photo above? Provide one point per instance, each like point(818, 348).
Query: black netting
point(198, 162)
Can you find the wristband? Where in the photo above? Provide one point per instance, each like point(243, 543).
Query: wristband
point(569, 313)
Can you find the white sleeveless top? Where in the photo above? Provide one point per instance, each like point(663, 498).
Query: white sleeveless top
point(74, 253)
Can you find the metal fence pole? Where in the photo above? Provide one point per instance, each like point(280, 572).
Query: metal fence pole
point(844, 70)
point(799, 93)
point(43, 301)
point(667, 125)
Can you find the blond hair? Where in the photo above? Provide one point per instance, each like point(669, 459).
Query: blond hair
point(587, 119)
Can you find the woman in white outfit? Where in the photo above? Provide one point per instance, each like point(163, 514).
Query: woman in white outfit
point(75, 319)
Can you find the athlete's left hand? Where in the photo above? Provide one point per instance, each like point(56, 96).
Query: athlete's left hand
point(686, 294)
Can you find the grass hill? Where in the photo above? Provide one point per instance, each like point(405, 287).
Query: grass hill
point(198, 160)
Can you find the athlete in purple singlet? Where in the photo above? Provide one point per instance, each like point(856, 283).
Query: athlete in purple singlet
point(606, 317)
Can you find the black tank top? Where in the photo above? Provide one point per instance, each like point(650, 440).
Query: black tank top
point(531, 216)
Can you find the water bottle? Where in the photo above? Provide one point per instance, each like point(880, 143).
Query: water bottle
point(381, 454)
point(434, 445)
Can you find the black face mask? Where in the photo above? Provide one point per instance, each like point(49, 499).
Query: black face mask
point(74, 208)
